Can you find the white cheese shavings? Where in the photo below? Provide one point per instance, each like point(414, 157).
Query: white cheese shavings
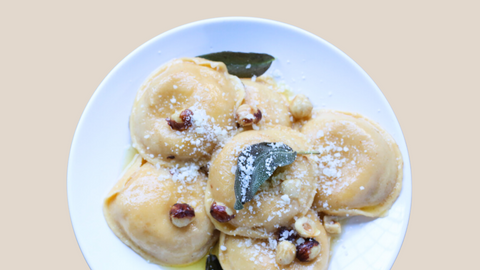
point(286, 198)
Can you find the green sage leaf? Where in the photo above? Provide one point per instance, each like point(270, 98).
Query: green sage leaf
point(242, 65)
point(255, 164)
point(213, 263)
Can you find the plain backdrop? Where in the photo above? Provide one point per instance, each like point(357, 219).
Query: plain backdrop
point(424, 56)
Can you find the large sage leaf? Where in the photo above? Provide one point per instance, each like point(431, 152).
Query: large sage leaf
point(242, 65)
point(255, 164)
point(213, 263)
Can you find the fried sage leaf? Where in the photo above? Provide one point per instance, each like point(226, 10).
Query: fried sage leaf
point(213, 263)
point(242, 65)
point(255, 164)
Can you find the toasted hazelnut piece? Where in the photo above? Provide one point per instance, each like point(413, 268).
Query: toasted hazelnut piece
point(182, 214)
point(292, 188)
point(176, 117)
point(308, 250)
point(205, 170)
point(284, 233)
point(221, 212)
point(301, 107)
point(331, 224)
point(306, 227)
point(180, 120)
point(246, 115)
point(285, 253)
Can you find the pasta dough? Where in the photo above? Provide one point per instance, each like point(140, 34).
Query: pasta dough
point(262, 95)
point(360, 166)
point(201, 86)
point(241, 253)
point(271, 206)
point(137, 210)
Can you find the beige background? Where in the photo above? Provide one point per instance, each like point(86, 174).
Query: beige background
point(424, 55)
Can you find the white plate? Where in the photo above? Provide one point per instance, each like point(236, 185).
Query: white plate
point(308, 63)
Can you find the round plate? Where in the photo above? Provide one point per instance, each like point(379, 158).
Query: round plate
point(307, 63)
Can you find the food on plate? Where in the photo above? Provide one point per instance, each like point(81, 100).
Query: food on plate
point(284, 250)
point(161, 218)
point(242, 65)
point(248, 162)
point(288, 193)
point(301, 107)
point(262, 96)
point(361, 165)
point(332, 225)
point(184, 109)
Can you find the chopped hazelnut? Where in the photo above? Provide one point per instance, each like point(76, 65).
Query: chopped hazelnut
point(221, 212)
point(308, 250)
point(285, 253)
point(292, 188)
point(283, 233)
point(205, 170)
point(331, 224)
point(181, 214)
point(180, 121)
point(301, 107)
point(306, 227)
point(246, 115)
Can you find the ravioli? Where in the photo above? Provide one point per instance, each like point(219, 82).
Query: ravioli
point(262, 94)
point(242, 253)
point(191, 120)
point(271, 205)
point(138, 208)
point(198, 86)
point(360, 166)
